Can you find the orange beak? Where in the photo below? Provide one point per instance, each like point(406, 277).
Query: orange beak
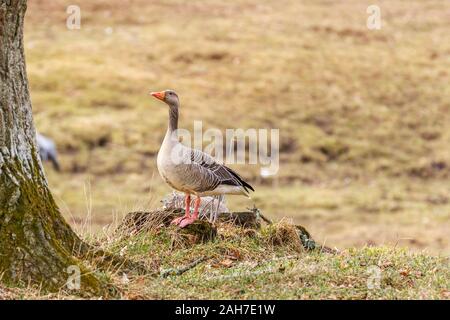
point(159, 95)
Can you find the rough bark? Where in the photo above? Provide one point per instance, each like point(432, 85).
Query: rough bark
point(36, 244)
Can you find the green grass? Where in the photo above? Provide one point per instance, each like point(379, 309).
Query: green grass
point(269, 263)
point(314, 276)
point(242, 267)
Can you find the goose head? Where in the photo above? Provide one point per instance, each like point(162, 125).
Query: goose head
point(168, 96)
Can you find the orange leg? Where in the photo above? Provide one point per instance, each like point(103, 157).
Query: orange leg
point(187, 203)
point(188, 221)
point(187, 210)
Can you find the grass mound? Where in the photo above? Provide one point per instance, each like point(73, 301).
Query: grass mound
point(271, 262)
point(283, 233)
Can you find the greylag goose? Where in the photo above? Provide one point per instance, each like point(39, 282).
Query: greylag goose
point(192, 171)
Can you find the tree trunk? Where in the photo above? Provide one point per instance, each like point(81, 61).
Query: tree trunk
point(36, 244)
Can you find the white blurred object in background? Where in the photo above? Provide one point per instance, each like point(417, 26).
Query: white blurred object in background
point(47, 150)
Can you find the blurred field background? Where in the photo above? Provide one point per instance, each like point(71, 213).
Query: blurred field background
point(364, 115)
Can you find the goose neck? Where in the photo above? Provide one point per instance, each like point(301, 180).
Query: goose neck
point(173, 118)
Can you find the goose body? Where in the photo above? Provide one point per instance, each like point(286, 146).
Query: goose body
point(196, 172)
point(192, 171)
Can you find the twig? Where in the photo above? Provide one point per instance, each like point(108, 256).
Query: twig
point(268, 221)
point(180, 271)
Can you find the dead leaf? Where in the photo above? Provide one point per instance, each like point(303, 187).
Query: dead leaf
point(227, 263)
point(404, 272)
point(233, 254)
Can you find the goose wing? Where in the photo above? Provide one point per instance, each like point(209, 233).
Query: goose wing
point(203, 173)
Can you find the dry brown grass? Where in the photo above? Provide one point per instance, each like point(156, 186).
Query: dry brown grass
point(363, 115)
point(284, 233)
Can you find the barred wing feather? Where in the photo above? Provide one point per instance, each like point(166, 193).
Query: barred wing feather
point(204, 173)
